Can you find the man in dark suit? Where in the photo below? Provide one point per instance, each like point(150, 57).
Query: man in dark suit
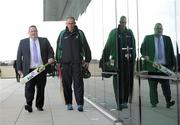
point(158, 48)
point(33, 52)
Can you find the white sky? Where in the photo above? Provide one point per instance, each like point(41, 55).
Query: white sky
point(18, 15)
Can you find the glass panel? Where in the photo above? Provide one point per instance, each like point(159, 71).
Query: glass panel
point(97, 30)
point(156, 97)
point(104, 95)
point(129, 115)
point(177, 24)
point(88, 25)
point(142, 15)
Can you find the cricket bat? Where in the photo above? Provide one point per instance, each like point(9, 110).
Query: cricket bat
point(33, 74)
point(162, 68)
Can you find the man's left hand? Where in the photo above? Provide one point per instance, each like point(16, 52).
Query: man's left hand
point(86, 65)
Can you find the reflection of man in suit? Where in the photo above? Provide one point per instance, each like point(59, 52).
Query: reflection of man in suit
point(33, 52)
point(158, 48)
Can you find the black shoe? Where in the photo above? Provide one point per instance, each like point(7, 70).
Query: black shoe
point(169, 104)
point(80, 108)
point(69, 107)
point(154, 106)
point(125, 105)
point(122, 106)
point(40, 109)
point(119, 108)
point(28, 108)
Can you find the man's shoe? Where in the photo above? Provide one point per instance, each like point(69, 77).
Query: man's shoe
point(69, 107)
point(122, 106)
point(154, 106)
point(40, 109)
point(125, 105)
point(28, 108)
point(80, 108)
point(169, 104)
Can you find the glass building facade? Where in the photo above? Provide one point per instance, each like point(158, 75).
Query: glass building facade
point(99, 19)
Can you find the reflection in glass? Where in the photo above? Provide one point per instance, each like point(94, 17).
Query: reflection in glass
point(142, 15)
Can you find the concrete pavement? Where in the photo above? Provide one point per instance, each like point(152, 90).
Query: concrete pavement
point(12, 110)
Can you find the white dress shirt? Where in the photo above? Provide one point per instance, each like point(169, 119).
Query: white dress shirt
point(34, 64)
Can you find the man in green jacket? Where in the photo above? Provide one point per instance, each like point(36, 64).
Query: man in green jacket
point(72, 53)
point(158, 48)
point(120, 46)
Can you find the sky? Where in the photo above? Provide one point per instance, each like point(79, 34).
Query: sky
point(18, 15)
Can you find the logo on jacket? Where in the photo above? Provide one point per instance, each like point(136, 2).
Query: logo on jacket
point(77, 36)
point(66, 37)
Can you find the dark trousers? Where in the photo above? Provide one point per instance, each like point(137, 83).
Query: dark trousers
point(71, 73)
point(153, 83)
point(124, 88)
point(39, 82)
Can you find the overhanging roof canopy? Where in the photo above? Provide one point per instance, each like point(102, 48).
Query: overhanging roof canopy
point(59, 10)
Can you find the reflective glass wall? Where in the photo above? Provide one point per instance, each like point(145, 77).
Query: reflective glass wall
point(156, 107)
point(99, 19)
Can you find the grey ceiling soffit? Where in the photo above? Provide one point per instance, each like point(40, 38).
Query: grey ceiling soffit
point(59, 10)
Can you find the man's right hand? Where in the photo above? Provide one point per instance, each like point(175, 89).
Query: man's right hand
point(51, 61)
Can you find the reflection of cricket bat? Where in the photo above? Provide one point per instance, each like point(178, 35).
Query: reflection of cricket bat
point(162, 68)
point(33, 74)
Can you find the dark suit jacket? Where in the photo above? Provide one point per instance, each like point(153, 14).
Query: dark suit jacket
point(148, 49)
point(23, 54)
